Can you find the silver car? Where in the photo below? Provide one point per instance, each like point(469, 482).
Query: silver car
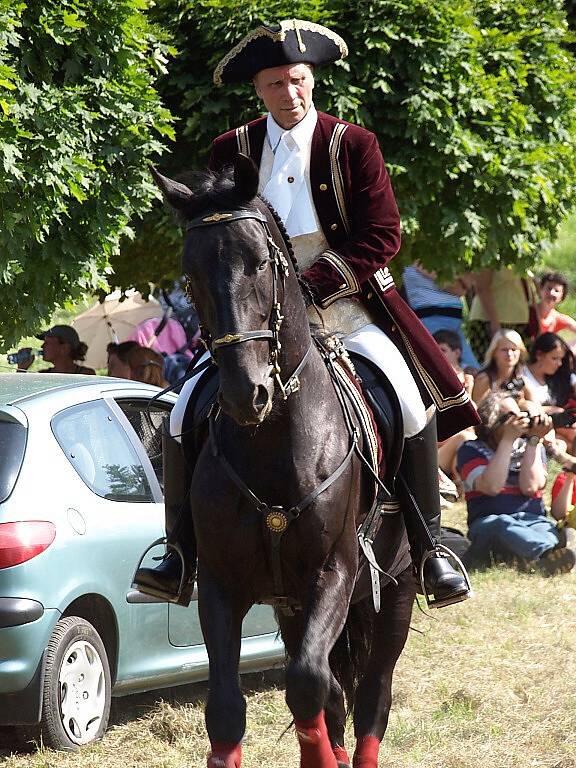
point(80, 499)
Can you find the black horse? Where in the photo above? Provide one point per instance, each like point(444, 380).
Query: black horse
point(279, 490)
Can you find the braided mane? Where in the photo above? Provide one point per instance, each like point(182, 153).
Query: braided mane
point(216, 191)
point(285, 236)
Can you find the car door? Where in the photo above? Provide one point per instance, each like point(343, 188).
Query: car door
point(126, 515)
point(183, 623)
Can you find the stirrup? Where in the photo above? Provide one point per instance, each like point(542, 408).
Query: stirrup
point(450, 600)
point(186, 587)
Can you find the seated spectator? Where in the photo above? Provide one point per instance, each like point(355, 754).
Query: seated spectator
point(504, 472)
point(503, 364)
point(553, 290)
point(449, 343)
point(551, 378)
point(438, 306)
point(118, 365)
point(147, 366)
point(62, 347)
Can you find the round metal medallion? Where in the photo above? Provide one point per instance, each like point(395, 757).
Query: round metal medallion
point(276, 521)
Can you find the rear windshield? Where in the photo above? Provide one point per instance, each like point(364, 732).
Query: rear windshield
point(12, 446)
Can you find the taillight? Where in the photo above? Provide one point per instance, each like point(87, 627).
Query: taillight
point(24, 540)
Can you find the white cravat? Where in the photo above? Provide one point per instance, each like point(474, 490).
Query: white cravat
point(287, 188)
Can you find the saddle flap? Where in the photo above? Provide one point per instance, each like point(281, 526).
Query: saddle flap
point(384, 404)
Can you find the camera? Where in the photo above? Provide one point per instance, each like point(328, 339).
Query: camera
point(513, 386)
point(565, 418)
point(22, 356)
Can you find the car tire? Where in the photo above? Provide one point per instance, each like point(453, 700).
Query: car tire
point(77, 686)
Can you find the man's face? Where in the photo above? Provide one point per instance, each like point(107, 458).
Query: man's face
point(286, 92)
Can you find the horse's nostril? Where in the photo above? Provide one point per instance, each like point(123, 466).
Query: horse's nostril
point(261, 398)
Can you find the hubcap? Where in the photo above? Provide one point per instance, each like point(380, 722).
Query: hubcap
point(82, 688)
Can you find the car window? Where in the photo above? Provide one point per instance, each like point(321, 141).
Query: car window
point(146, 420)
point(101, 453)
point(12, 445)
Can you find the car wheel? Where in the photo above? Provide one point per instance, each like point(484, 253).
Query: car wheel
point(77, 686)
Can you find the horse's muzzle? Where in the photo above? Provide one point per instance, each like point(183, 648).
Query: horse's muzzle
point(252, 409)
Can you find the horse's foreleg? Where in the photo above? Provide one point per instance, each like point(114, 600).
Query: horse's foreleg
point(336, 722)
point(292, 630)
point(374, 693)
point(308, 674)
point(221, 621)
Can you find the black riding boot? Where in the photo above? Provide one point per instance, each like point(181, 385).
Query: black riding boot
point(419, 496)
point(173, 579)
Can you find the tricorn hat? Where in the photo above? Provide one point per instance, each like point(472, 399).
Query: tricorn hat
point(292, 41)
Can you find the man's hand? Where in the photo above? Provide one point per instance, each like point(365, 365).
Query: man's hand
point(515, 426)
point(540, 425)
point(25, 364)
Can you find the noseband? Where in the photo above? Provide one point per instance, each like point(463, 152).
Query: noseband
point(279, 273)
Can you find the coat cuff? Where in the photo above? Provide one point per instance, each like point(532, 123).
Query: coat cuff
point(331, 278)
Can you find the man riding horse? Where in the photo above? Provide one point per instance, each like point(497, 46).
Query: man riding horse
point(327, 180)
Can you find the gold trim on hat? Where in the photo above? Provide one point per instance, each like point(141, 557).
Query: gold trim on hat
point(279, 35)
point(301, 46)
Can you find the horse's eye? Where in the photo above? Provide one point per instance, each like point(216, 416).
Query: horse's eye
point(263, 265)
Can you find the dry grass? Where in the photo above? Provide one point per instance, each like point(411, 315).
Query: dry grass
point(486, 684)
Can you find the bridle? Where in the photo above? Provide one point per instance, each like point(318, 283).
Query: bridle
point(276, 518)
point(279, 266)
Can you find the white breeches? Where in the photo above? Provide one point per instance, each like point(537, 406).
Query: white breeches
point(177, 414)
point(368, 341)
point(372, 343)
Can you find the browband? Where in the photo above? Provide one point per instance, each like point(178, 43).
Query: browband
point(216, 218)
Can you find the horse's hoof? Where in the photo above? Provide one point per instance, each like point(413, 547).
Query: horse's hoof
point(225, 756)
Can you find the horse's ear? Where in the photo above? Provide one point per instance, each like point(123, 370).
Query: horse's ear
point(177, 194)
point(245, 177)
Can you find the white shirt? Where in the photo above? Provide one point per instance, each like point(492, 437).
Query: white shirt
point(286, 184)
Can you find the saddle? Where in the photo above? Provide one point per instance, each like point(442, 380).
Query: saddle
point(378, 397)
point(382, 400)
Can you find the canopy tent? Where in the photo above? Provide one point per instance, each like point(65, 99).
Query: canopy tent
point(113, 320)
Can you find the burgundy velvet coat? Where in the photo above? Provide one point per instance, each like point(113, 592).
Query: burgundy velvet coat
point(355, 204)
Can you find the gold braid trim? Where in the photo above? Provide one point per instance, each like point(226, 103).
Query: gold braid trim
point(441, 402)
point(279, 35)
point(243, 140)
point(349, 287)
point(337, 181)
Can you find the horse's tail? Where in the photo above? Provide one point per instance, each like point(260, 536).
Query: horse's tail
point(349, 657)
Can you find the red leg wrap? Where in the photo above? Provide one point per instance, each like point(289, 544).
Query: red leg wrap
point(315, 748)
point(225, 756)
point(341, 755)
point(366, 753)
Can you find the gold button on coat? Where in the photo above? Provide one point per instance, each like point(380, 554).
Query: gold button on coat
point(290, 179)
point(333, 226)
point(323, 187)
